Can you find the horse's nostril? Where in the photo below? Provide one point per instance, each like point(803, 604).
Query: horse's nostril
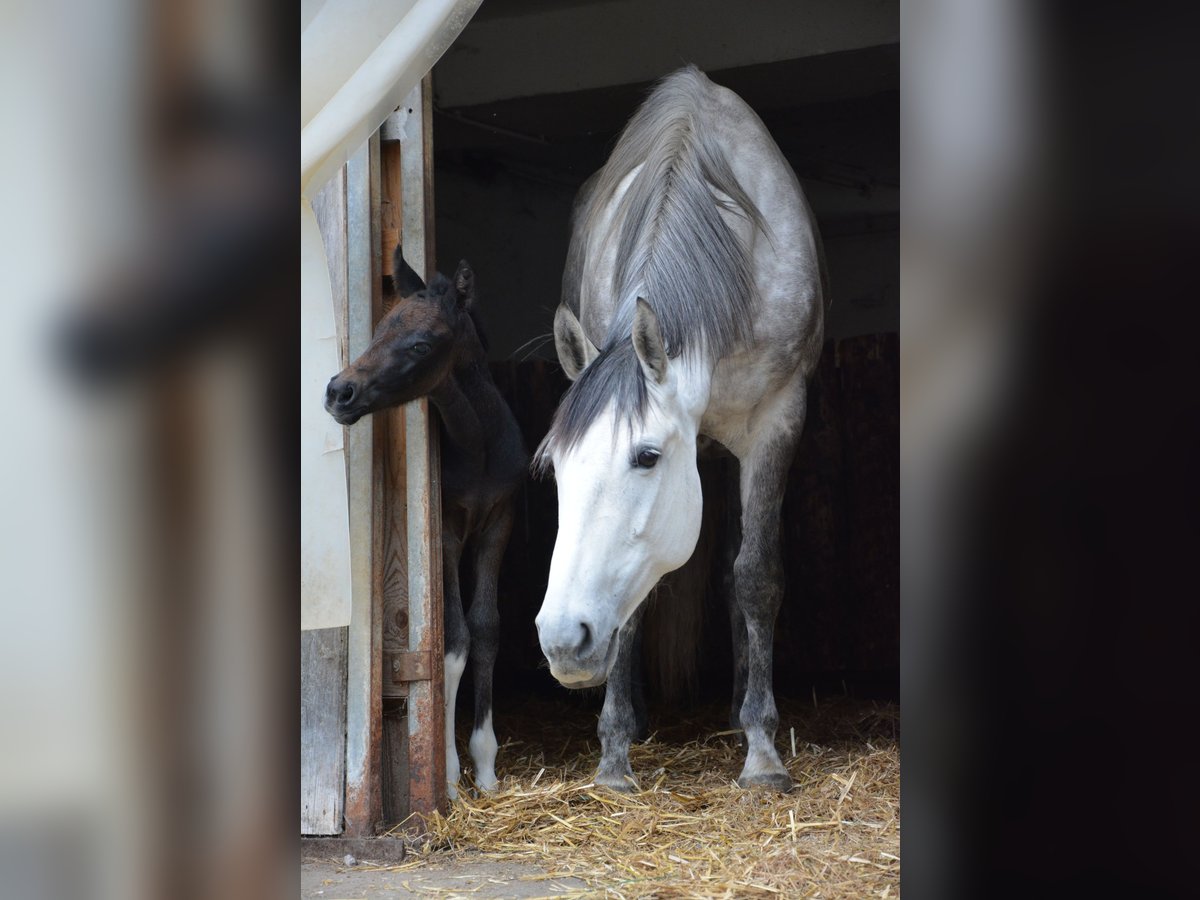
point(586, 644)
point(345, 395)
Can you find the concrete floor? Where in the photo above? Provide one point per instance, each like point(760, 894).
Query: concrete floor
point(465, 877)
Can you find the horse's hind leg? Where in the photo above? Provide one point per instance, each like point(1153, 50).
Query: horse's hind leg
point(758, 586)
point(618, 720)
point(483, 619)
point(458, 642)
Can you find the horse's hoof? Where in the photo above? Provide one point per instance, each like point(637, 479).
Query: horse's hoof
point(618, 781)
point(775, 781)
point(487, 785)
point(451, 791)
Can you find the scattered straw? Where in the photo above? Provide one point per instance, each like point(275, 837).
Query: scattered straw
point(690, 832)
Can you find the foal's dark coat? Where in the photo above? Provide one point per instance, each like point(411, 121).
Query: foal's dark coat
point(431, 344)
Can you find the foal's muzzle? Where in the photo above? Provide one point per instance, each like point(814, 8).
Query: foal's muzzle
point(343, 400)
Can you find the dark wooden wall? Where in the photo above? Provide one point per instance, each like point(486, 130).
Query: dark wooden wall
point(841, 538)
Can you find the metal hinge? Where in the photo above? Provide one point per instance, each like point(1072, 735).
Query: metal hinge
point(406, 666)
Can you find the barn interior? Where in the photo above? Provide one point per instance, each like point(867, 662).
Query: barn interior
point(527, 104)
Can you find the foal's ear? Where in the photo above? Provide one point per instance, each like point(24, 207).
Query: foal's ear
point(404, 279)
point(648, 342)
point(575, 351)
point(464, 284)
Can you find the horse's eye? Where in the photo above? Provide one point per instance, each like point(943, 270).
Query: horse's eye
point(420, 349)
point(646, 458)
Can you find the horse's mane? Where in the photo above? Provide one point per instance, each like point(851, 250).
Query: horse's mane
point(673, 248)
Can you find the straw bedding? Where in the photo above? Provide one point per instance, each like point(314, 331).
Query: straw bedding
point(690, 831)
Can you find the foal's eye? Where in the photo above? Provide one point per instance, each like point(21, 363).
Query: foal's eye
point(646, 458)
point(420, 349)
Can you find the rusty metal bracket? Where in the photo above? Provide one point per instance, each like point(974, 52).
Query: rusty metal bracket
point(406, 666)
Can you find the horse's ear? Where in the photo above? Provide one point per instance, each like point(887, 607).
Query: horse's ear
point(575, 351)
point(404, 279)
point(464, 284)
point(648, 342)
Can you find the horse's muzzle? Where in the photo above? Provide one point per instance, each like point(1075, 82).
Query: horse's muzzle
point(577, 659)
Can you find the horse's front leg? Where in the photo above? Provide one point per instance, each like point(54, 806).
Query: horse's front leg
point(758, 592)
point(737, 619)
point(458, 643)
point(618, 720)
point(483, 619)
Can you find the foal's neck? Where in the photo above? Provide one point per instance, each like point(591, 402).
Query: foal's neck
point(457, 400)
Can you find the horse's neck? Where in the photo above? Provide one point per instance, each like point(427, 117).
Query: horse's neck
point(462, 403)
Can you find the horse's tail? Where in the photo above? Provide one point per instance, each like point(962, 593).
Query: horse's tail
point(673, 626)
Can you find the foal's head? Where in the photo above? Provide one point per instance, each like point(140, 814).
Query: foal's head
point(414, 349)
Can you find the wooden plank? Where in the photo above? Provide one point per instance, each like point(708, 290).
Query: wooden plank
point(391, 546)
point(391, 469)
point(427, 179)
point(322, 729)
point(426, 714)
point(323, 652)
point(391, 210)
point(395, 760)
point(364, 702)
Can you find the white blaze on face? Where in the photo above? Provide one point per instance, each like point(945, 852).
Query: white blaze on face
point(621, 528)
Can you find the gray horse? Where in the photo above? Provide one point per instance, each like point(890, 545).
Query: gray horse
point(693, 302)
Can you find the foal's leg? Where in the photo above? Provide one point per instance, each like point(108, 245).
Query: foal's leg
point(458, 642)
point(758, 586)
point(618, 721)
point(483, 619)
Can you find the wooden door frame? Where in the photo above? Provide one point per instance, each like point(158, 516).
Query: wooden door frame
point(393, 475)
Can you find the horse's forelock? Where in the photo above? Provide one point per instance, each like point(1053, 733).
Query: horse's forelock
point(614, 378)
